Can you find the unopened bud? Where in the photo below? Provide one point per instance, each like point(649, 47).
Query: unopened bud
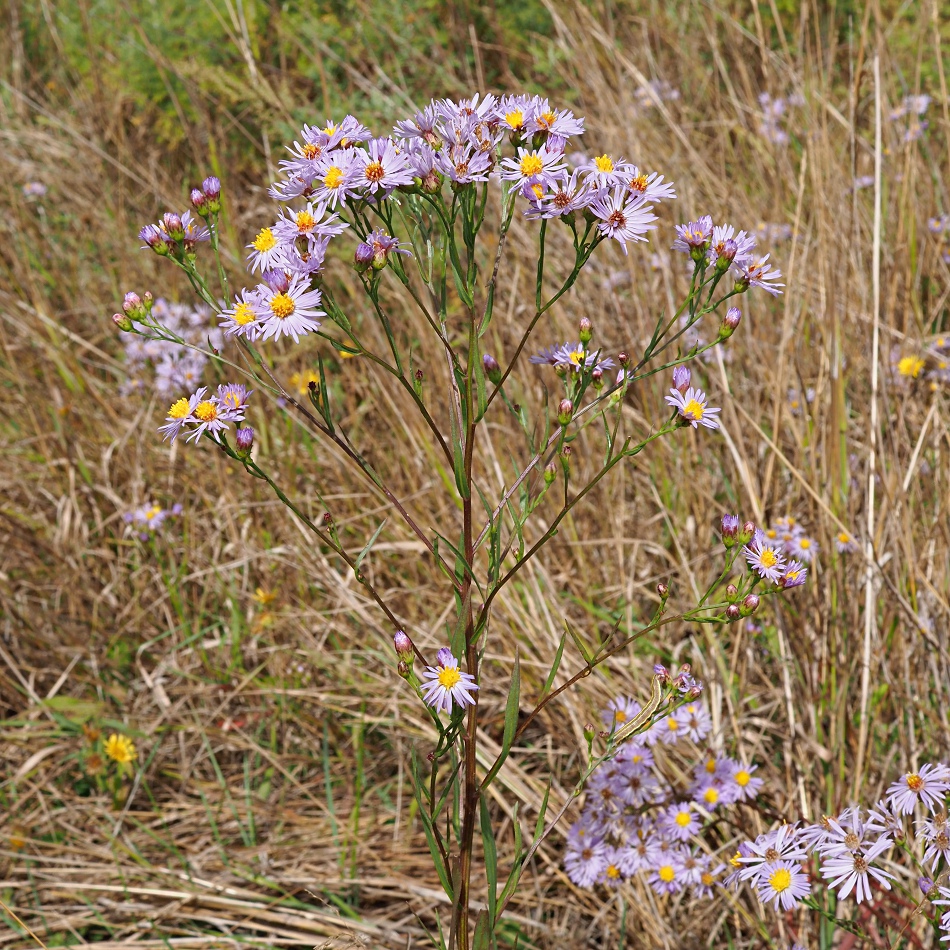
point(550, 473)
point(681, 378)
point(686, 668)
point(726, 255)
point(132, 304)
point(927, 887)
point(244, 440)
point(363, 257)
point(199, 201)
point(586, 330)
point(746, 532)
point(155, 238)
point(403, 645)
point(589, 732)
point(492, 369)
point(122, 321)
point(733, 613)
point(211, 187)
point(173, 225)
point(730, 529)
point(327, 519)
point(750, 604)
point(623, 359)
point(565, 410)
point(729, 323)
point(432, 182)
point(732, 592)
point(597, 377)
point(694, 690)
point(663, 590)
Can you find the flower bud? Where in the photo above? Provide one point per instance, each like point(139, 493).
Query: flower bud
point(244, 440)
point(694, 690)
point(403, 646)
point(683, 682)
point(726, 255)
point(122, 321)
point(492, 369)
point(211, 187)
point(746, 532)
point(681, 378)
point(566, 452)
point(660, 670)
point(623, 359)
point(403, 669)
point(550, 473)
point(732, 592)
point(586, 330)
point(565, 410)
point(432, 182)
point(597, 378)
point(173, 226)
point(589, 732)
point(730, 530)
point(927, 887)
point(750, 604)
point(729, 323)
point(686, 668)
point(363, 257)
point(276, 279)
point(199, 201)
point(663, 590)
point(733, 613)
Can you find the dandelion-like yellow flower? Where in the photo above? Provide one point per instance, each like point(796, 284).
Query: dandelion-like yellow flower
point(264, 597)
point(910, 366)
point(121, 749)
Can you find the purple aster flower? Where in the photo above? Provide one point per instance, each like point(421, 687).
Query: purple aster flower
point(694, 235)
point(181, 412)
point(243, 319)
point(291, 312)
point(928, 785)
point(338, 176)
point(585, 865)
point(679, 821)
point(681, 378)
point(667, 874)
point(232, 398)
point(464, 163)
point(516, 114)
point(618, 711)
point(743, 785)
point(708, 878)
point(766, 560)
point(558, 124)
point(567, 195)
point(211, 417)
point(783, 884)
point(266, 251)
point(711, 793)
point(695, 721)
point(849, 871)
point(730, 529)
point(883, 819)
point(650, 186)
point(781, 844)
point(936, 836)
point(758, 273)
point(612, 874)
point(693, 408)
point(607, 173)
point(794, 575)
point(423, 126)
point(533, 166)
point(801, 547)
point(382, 167)
point(623, 217)
point(738, 252)
point(444, 684)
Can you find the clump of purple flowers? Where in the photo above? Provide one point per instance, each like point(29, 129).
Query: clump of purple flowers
point(147, 520)
point(638, 820)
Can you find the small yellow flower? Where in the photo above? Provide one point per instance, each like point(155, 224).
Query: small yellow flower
point(121, 749)
point(264, 597)
point(910, 366)
point(303, 380)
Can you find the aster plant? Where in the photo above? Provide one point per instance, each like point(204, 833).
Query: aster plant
point(431, 205)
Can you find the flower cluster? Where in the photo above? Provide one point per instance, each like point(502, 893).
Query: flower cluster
point(931, 362)
point(208, 414)
point(912, 108)
point(795, 543)
point(637, 820)
point(772, 116)
point(850, 847)
point(163, 364)
point(147, 520)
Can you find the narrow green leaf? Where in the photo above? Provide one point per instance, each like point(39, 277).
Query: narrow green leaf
point(515, 874)
point(578, 642)
point(369, 544)
point(419, 791)
point(491, 858)
point(557, 664)
point(481, 396)
point(539, 824)
point(511, 709)
point(457, 640)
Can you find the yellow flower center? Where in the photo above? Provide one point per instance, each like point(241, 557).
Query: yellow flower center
point(710, 766)
point(206, 411)
point(514, 119)
point(772, 534)
point(683, 818)
point(734, 860)
point(312, 151)
point(265, 240)
point(742, 778)
point(910, 366)
point(638, 183)
point(538, 191)
point(613, 872)
point(620, 716)
point(375, 171)
point(667, 873)
point(531, 164)
point(914, 782)
point(282, 305)
point(330, 129)
point(333, 178)
point(711, 796)
point(604, 163)
point(767, 558)
point(577, 357)
point(708, 879)
point(804, 544)
point(672, 724)
point(844, 538)
point(153, 512)
point(178, 409)
point(244, 314)
point(693, 410)
point(449, 676)
point(781, 880)
point(305, 221)
point(635, 759)
point(546, 119)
